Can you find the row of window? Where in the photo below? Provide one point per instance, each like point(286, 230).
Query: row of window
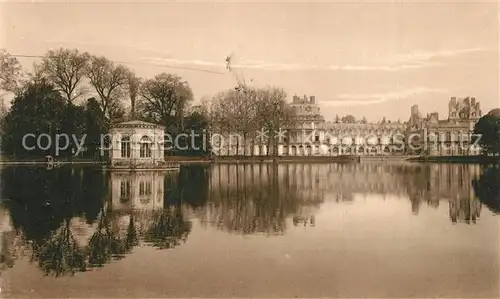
point(145, 188)
point(144, 149)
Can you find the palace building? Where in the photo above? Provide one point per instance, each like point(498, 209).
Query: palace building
point(448, 137)
point(312, 135)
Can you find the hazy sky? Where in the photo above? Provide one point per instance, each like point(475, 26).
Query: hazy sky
point(369, 59)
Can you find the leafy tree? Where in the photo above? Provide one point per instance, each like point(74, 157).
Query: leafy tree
point(348, 119)
point(39, 109)
point(95, 125)
point(196, 126)
point(73, 124)
point(488, 127)
point(487, 188)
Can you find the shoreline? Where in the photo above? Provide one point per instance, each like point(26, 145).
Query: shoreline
point(457, 159)
point(279, 159)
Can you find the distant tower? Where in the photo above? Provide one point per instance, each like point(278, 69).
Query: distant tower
point(414, 111)
point(452, 108)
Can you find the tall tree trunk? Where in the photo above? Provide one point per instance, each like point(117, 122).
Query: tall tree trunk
point(269, 144)
point(132, 107)
point(238, 145)
point(244, 144)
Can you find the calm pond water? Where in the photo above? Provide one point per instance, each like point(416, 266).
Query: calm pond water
point(289, 230)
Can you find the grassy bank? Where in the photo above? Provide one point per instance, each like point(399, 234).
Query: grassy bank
point(185, 160)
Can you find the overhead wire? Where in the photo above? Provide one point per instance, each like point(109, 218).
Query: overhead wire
point(130, 62)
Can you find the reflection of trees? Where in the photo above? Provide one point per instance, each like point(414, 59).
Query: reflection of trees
point(487, 187)
point(193, 185)
point(42, 215)
point(255, 198)
point(167, 228)
point(59, 254)
point(41, 199)
point(106, 243)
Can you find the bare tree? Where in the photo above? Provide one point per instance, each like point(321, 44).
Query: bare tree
point(110, 81)
point(66, 69)
point(245, 111)
point(10, 71)
point(247, 116)
point(276, 116)
point(36, 75)
point(223, 116)
point(163, 98)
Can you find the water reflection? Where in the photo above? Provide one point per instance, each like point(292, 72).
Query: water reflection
point(70, 220)
point(487, 187)
point(93, 217)
point(260, 198)
point(435, 183)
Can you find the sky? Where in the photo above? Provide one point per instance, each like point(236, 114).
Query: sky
point(371, 59)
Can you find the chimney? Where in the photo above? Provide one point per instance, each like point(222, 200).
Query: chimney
point(414, 110)
point(313, 99)
point(473, 101)
point(295, 98)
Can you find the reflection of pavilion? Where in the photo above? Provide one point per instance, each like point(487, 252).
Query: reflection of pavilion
point(137, 190)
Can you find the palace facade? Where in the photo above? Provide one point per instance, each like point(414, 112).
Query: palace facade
point(452, 136)
point(312, 135)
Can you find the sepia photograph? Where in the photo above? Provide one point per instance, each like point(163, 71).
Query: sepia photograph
point(250, 149)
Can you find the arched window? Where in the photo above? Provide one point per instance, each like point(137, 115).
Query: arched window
point(145, 147)
point(125, 142)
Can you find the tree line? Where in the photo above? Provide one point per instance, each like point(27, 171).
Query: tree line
point(251, 116)
point(53, 97)
point(74, 92)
